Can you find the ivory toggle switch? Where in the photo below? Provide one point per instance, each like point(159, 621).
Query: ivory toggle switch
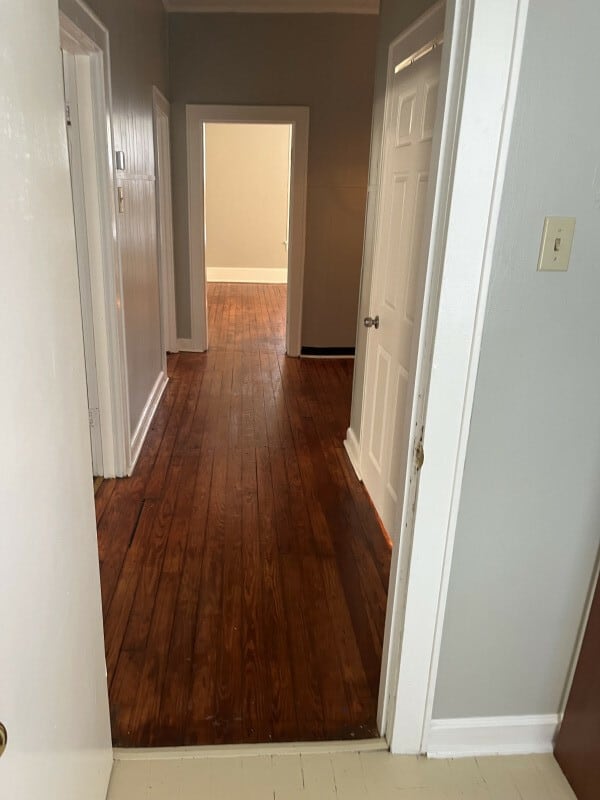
point(557, 240)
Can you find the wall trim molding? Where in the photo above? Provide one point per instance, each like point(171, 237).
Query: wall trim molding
point(190, 752)
point(352, 447)
point(246, 274)
point(491, 736)
point(187, 346)
point(273, 6)
point(143, 425)
point(327, 352)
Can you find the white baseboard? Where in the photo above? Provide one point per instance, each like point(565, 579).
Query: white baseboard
point(246, 274)
point(353, 449)
point(185, 346)
point(491, 736)
point(145, 420)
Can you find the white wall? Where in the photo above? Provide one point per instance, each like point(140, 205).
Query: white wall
point(247, 170)
point(529, 521)
point(53, 694)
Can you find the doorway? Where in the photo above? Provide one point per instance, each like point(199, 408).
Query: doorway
point(212, 255)
point(246, 230)
point(400, 260)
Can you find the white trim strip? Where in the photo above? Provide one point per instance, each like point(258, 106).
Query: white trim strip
point(139, 436)
point(238, 750)
point(492, 736)
point(187, 346)
point(352, 447)
point(246, 274)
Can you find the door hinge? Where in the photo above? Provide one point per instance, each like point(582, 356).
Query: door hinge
point(68, 113)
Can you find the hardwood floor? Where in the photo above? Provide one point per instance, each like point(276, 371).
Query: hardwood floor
point(243, 570)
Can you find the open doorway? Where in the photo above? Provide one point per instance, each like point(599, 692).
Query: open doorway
point(246, 230)
point(243, 571)
point(287, 128)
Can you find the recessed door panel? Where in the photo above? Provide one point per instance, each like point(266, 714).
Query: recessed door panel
point(405, 119)
point(429, 109)
point(414, 261)
point(382, 377)
point(398, 235)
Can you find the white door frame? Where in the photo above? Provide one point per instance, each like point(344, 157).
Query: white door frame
point(82, 27)
point(298, 118)
point(79, 132)
point(164, 224)
point(479, 73)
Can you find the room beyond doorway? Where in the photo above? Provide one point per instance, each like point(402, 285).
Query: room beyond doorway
point(246, 201)
point(244, 573)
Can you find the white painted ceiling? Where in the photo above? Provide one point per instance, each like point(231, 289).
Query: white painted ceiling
point(276, 6)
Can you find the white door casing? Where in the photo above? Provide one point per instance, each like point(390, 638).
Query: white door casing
point(164, 210)
point(83, 258)
point(400, 256)
point(84, 36)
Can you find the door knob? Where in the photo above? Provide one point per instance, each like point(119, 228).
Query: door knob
point(3, 738)
point(371, 322)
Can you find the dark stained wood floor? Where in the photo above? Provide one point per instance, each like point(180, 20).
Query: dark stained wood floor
point(243, 571)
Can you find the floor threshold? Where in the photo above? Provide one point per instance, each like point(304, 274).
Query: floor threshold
point(245, 750)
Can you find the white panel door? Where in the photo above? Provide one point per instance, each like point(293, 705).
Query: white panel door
point(410, 117)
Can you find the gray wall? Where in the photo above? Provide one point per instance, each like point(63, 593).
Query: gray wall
point(322, 61)
point(138, 49)
point(394, 18)
point(529, 520)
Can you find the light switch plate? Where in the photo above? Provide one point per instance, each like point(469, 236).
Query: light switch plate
point(557, 240)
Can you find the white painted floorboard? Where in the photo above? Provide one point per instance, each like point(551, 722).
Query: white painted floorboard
point(339, 776)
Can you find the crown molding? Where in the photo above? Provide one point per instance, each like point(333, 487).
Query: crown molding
point(273, 6)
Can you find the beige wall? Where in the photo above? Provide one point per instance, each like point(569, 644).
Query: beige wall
point(246, 199)
point(326, 62)
point(138, 50)
point(394, 17)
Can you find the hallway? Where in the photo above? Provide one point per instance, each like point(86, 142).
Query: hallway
point(243, 571)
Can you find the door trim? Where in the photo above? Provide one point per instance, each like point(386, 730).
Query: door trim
point(493, 736)
point(80, 133)
point(298, 118)
point(478, 80)
point(79, 24)
point(164, 226)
